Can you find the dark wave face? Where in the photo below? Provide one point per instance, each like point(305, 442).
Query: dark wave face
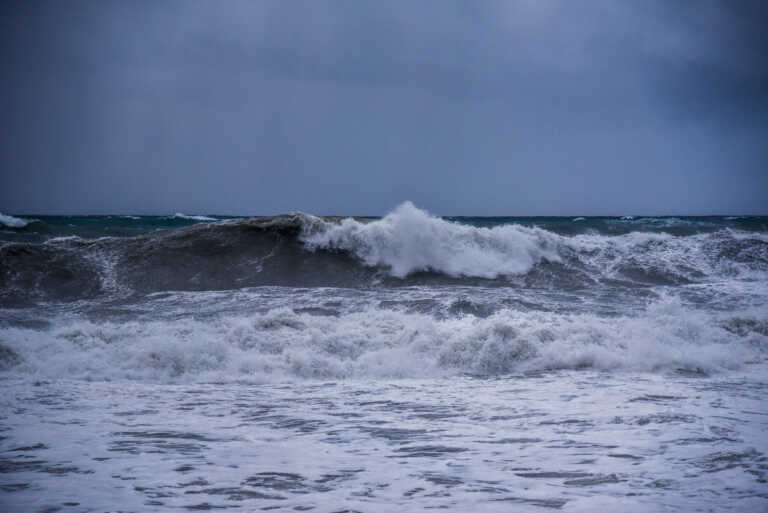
point(66, 259)
point(32, 228)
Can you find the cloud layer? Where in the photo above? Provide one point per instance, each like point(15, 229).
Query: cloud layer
point(348, 107)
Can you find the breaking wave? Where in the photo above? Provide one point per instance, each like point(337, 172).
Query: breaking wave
point(179, 215)
point(405, 248)
point(285, 343)
point(12, 222)
point(409, 240)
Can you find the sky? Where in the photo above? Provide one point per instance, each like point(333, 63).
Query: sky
point(350, 107)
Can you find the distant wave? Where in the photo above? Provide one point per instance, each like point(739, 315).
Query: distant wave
point(179, 215)
point(13, 222)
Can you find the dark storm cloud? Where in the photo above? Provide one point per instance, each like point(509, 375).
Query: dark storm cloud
point(526, 107)
point(723, 73)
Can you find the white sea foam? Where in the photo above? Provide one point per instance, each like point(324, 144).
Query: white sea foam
point(13, 222)
point(410, 240)
point(693, 257)
point(281, 344)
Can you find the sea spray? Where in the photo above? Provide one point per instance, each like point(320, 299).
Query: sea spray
point(409, 240)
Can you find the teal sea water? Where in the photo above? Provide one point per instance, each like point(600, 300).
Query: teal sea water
point(132, 225)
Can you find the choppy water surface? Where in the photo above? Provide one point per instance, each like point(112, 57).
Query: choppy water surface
point(569, 440)
point(395, 364)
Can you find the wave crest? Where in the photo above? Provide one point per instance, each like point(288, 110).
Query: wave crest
point(410, 240)
point(179, 215)
point(13, 222)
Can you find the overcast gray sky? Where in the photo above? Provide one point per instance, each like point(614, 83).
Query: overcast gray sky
point(530, 107)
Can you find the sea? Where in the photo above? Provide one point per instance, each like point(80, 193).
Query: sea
point(401, 363)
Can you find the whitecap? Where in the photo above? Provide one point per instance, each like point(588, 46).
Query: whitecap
point(179, 215)
point(13, 222)
point(409, 240)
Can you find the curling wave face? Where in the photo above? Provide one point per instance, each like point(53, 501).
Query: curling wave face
point(409, 240)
